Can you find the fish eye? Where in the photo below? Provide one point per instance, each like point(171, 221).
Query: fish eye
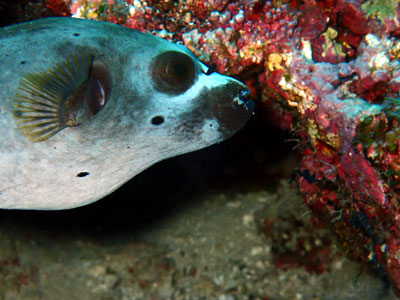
point(173, 72)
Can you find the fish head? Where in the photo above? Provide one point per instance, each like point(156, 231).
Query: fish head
point(178, 105)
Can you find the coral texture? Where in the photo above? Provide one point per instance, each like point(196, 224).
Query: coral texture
point(330, 72)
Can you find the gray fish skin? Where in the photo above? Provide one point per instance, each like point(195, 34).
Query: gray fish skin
point(120, 140)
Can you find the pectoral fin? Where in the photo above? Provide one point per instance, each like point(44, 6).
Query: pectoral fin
point(47, 102)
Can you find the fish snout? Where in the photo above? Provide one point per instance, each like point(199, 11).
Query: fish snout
point(232, 107)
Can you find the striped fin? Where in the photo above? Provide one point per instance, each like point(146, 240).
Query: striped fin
point(42, 105)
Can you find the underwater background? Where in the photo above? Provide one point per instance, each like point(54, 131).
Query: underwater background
point(302, 203)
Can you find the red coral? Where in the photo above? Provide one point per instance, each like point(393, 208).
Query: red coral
point(59, 7)
point(312, 20)
point(353, 18)
point(325, 50)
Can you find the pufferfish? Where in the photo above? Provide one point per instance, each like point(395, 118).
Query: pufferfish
point(86, 105)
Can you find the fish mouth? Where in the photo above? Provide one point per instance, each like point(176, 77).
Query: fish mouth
point(242, 99)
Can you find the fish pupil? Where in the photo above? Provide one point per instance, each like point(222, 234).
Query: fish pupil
point(180, 70)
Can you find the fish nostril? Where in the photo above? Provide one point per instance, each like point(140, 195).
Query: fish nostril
point(211, 69)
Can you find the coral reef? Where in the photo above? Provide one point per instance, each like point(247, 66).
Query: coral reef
point(328, 71)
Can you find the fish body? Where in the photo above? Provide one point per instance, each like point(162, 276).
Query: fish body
point(87, 105)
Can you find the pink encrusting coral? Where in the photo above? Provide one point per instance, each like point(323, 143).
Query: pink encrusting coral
point(347, 115)
point(330, 72)
point(231, 34)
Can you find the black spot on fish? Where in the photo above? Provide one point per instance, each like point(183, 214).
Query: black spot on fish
point(157, 120)
point(82, 174)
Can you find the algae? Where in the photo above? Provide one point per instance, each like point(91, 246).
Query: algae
point(380, 9)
